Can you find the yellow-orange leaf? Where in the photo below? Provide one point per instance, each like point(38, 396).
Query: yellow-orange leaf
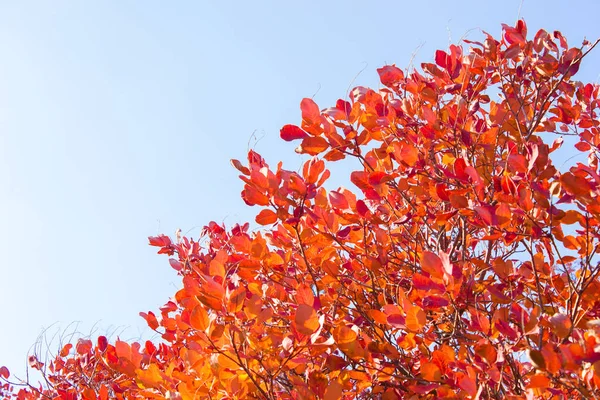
point(236, 299)
point(150, 377)
point(344, 335)
point(430, 371)
point(199, 318)
point(415, 319)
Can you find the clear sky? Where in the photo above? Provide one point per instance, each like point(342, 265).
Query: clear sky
point(118, 120)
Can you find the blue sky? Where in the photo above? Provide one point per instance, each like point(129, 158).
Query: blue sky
point(118, 120)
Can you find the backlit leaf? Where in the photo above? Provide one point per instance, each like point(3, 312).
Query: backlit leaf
point(307, 321)
point(266, 217)
point(313, 145)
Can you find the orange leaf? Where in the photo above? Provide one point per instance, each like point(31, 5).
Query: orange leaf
point(378, 316)
point(571, 217)
point(66, 350)
point(312, 145)
point(150, 377)
point(551, 359)
point(103, 392)
point(344, 335)
point(430, 372)
point(561, 325)
point(573, 184)
point(570, 242)
point(266, 217)
point(503, 214)
point(252, 196)
point(334, 391)
point(458, 201)
point(304, 295)
point(415, 319)
point(538, 381)
point(199, 318)
point(211, 293)
point(123, 349)
point(236, 299)
point(537, 359)
point(306, 320)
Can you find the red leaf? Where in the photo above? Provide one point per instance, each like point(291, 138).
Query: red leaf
point(150, 319)
point(292, 132)
point(468, 384)
point(362, 208)
point(102, 343)
point(4, 372)
point(432, 264)
point(175, 264)
point(338, 200)
point(433, 302)
point(360, 179)
point(390, 75)
point(517, 163)
point(34, 363)
point(159, 241)
point(397, 321)
point(423, 389)
point(378, 177)
point(310, 111)
point(487, 214)
point(582, 146)
point(83, 346)
point(238, 165)
point(344, 106)
point(441, 58)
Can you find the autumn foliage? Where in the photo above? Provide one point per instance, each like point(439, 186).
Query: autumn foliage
point(462, 263)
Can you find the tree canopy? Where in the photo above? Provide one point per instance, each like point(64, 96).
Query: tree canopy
point(462, 264)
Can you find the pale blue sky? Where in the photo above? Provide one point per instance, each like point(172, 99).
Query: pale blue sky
point(118, 120)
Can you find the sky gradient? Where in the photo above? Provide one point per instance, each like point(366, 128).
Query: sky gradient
point(118, 120)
